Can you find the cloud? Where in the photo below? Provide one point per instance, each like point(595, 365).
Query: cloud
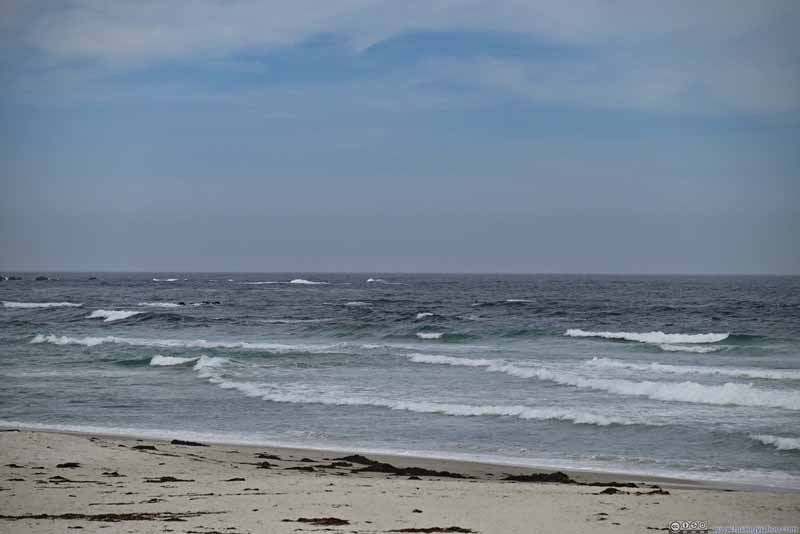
point(716, 56)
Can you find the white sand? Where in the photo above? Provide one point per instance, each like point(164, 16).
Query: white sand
point(370, 502)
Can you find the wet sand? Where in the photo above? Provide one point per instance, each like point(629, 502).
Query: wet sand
point(56, 482)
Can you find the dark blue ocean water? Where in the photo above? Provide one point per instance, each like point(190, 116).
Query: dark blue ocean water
point(688, 376)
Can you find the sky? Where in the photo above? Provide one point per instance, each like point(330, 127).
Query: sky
point(628, 136)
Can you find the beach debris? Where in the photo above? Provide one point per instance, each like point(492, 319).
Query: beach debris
point(159, 480)
point(335, 465)
point(264, 465)
point(113, 474)
point(265, 456)
point(15, 466)
point(69, 465)
point(434, 529)
point(416, 511)
point(301, 468)
point(609, 491)
point(321, 521)
point(557, 476)
point(110, 518)
point(235, 479)
point(144, 447)
point(187, 443)
point(373, 466)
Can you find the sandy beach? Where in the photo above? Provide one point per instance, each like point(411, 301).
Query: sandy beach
point(53, 482)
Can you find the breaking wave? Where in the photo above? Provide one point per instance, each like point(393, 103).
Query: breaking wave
point(356, 303)
point(200, 344)
point(10, 304)
point(306, 282)
point(112, 315)
point(161, 304)
point(726, 394)
point(780, 443)
point(697, 349)
point(422, 315)
point(207, 367)
point(165, 279)
point(382, 281)
point(748, 372)
point(649, 337)
point(168, 361)
point(430, 335)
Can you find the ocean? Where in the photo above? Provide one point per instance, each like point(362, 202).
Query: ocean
point(688, 376)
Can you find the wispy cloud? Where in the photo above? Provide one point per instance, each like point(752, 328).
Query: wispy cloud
point(715, 56)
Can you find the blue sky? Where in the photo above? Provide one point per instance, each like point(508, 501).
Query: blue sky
point(367, 135)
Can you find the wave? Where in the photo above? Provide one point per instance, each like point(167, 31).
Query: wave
point(196, 344)
point(728, 394)
point(748, 372)
point(382, 281)
point(11, 304)
point(518, 301)
point(306, 282)
point(649, 337)
point(165, 279)
point(422, 315)
point(112, 315)
point(780, 443)
point(168, 361)
point(261, 283)
point(297, 321)
point(697, 349)
point(161, 304)
point(206, 369)
point(430, 335)
point(356, 303)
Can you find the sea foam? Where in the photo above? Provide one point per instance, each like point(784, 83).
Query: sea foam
point(746, 372)
point(692, 392)
point(167, 361)
point(430, 335)
point(780, 443)
point(208, 368)
point(90, 341)
point(422, 315)
point(161, 304)
point(112, 315)
point(649, 337)
point(11, 304)
point(306, 282)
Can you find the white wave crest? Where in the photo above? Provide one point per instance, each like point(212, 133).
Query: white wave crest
point(780, 443)
point(165, 279)
point(161, 304)
point(197, 344)
point(517, 301)
point(692, 392)
point(382, 281)
point(167, 361)
point(356, 303)
point(746, 372)
point(306, 282)
point(112, 315)
point(260, 283)
point(429, 335)
point(11, 304)
point(294, 395)
point(422, 315)
point(697, 349)
point(206, 365)
point(649, 337)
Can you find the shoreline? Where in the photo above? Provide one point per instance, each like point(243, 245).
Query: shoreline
point(478, 467)
point(52, 481)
